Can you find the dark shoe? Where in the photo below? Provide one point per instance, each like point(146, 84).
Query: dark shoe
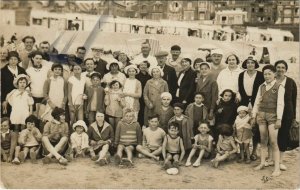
point(33, 157)
point(248, 161)
point(102, 162)
point(253, 157)
point(167, 165)
point(240, 160)
point(94, 158)
point(176, 164)
point(117, 159)
point(68, 157)
point(22, 157)
point(46, 160)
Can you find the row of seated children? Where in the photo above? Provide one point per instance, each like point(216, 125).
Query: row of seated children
point(100, 137)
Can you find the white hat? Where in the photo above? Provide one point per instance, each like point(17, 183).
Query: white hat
point(242, 108)
point(80, 123)
point(131, 66)
point(216, 51)
point(155, 67)
point(21, 76)
point(166, 94)
point(172, 171)
point(117, 62)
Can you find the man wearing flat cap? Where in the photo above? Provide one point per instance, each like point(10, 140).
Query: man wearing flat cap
point(169, 72)
point(174, 59)
point(216, 66)
point(99, 62)
point(145, 55)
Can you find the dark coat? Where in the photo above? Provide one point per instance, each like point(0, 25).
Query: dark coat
point(101, 67)
point(187, 86)
point(228, 113)
point(7, 79)
point(171, 78)
point(289, 113)
point(209, 88)
point(259, 79)
point(89, 91)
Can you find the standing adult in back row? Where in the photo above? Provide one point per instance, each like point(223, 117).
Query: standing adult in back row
point(217, 66)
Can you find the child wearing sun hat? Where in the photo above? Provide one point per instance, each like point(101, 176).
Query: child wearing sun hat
point(20, 101)
point(79, 139)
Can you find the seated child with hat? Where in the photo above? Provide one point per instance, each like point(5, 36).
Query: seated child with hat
point(79, 139)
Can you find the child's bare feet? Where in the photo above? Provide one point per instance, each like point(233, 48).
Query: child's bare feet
point(188, 163)
point(102, 162)
point(214, 163)
point(167, 165)
point(196, 164)
point(16, 161)
point(94, 158)
point(176, 164)
point(46, 160)
point(259, 167)
point(276, 173)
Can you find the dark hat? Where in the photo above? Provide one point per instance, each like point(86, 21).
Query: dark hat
point(180, 105)
point(57, 112)
point(187, 59)
point(161, 54)
point(57, 65)
point(96, 74)
point(13, 54)
point(28, 37)
point(250, 57)
point(176, 48)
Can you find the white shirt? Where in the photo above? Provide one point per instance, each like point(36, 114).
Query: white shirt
point(77, 89)
point(38, 78)
point(228, 79)
point(280, 99)
point(248, 83)
point(139, 58)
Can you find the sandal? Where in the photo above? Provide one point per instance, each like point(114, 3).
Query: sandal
point(102, 162)
point(253, 157)
point(63, 161)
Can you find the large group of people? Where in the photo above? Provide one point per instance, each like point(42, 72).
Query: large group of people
point(60, 107)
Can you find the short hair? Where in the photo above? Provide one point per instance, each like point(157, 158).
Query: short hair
point(3, 119)
point(281, 62)
point(203, 122)
point(236, 57)
point(96, 75)
point(32, 119)
point(34, 53)
point(28, 37)
point(23, 78)
point(45, 42)
point(188, 60)
point(269, 67)
point(114, 82)
point(57, 65)
point(225, 129)
point(81, 47)
point(176, 48)
point(153, 116)
point(200, 93)
point(173, 125)
point(57, 112)
point(228, 90)
point(88, 59)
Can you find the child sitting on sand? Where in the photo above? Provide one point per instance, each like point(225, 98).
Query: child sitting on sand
point(173, 148)
point(128, 136)
point(79, 139)
point(203, 142)
point(152, 139)
point(30, 139)
point(8, 141)
point(226, 147)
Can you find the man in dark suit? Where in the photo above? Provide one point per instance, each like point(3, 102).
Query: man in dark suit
point(169, 72)
point(101, 64)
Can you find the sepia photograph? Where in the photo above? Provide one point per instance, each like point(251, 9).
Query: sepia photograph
point(145, 94)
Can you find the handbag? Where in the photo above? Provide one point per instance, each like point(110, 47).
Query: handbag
point(294, 131)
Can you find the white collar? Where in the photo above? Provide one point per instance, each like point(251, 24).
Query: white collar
point(7, 132)
point(179, 118)
point(270, 84)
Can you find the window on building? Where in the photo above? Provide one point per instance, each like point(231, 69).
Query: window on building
point(253, 10)
point(260, 19)
point(261, 10)
point(201, 16)
point(234, 9)
point(36, 21)
point(287, 20)
point(287, 11)
point(223, 4)
point(269, 18)
point(296, 10)
point(244, 9)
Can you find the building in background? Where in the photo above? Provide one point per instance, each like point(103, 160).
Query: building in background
point(231, 17)
point(288, 12)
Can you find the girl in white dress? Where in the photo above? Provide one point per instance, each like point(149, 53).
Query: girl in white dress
point(132, 90)
point(20, 102)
